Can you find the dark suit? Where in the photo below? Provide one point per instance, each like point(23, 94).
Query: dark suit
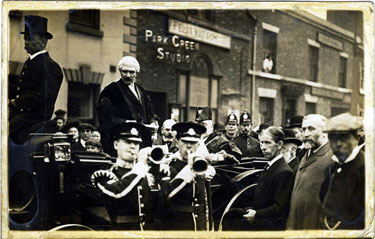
point(343, 195)
point(248, 146)
point(294, 164)
point(272, 196)
point(305, 204)
point(35, 93)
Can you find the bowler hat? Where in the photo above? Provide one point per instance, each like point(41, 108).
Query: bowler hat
point(189, 131)
point(203, 114)
point(132, 131)
point(219, 127)
point(295, 121)
point(344, 123)
point(36, 25)
point(290, 137)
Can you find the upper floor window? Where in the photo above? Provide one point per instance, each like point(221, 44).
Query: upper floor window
point(85, 21)
point(208, 15)
point(314, 63)
point(269, 47)
point(342, 72)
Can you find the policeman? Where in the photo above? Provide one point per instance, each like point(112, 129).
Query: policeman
point(124, 186)
point(244, 141)
point(231, 126)
point(187, 203)
point(343, 190)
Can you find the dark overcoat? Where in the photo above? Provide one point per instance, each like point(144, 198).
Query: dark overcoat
point(248, 145)
point(294, 164)
point(305, 204)
point(343, 195)
point(35, 93)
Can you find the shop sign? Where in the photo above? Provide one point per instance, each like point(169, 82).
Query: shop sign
point(172, 48)
point(327, 93)
point(199, 34)
point(329, 41)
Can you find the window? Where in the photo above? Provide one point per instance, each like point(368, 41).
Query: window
point(208, 15)
point(289, 109)
point(342, 72)
point(82, 100)
point(266, 109)
point(314, 60)
point(85, 21)
point(197, 88)
point(310, 108)
point(270, 49)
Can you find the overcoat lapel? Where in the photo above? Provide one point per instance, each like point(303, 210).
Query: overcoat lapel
point(321, 152)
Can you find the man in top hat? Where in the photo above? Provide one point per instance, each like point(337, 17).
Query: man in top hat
point(290, 148)
point(85, 132)
point(231, 126)
point(32, 97)
point(60, 119)
point(215, 140)
point(244, 141)
point(305, 204)
point(124, 186)
point(124, 100)
point(186, 191)
point(295, 124)
point(343, 190)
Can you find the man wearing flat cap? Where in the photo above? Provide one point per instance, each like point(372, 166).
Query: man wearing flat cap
point(343, 190)
point(124, 100)
point(85, 131)
point(32, 97)
point(289, 149)
point(186, 192)
point(124, 186)
point(244, 141)
point(231, 126)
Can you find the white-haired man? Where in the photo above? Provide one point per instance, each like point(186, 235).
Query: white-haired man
point(124, 99)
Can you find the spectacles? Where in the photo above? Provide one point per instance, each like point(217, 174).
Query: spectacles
point(126, 71)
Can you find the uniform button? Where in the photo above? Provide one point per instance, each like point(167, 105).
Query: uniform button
point(23, 73)
point(18, 88)
point(17, 96)
point(21, 110)
point(339, 170)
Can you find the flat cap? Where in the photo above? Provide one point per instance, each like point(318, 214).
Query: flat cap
point(94, 142)
point(343, 123)
point(85, 126)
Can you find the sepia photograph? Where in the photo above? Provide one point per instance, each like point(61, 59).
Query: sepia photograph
point(187, 119)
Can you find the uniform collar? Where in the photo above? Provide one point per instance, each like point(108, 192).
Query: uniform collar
point(36, 54)
point(351, 156)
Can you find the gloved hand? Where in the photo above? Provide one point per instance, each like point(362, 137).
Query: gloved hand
point(250, 215)
point(140, 169)
point(210, 173)
point(102, 177)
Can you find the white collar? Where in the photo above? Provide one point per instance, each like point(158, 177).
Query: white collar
point(83, 142)
point(36, 54)
point(270, 163)
point(291, 159)
point(321, 146)
point(123, 164)
point(351, 156)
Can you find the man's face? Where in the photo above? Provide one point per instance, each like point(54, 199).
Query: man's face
point(342, 144)
point(34, 44)
point(85, 134)
point(128, 74)
point(96, 135)
point(231, 128)
point(268, 146)
point(59, 123)
point(313, 135)
point(289, 150)
point(168, 133)
point(186, 147)
point(245, 128)
point(74, 131)
point(298, 133)
point(126, 150)
point(92, 148)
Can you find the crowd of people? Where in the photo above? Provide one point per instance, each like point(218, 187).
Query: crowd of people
point(313, 179)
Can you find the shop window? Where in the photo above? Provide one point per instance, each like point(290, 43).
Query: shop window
point(82, 100)
point(85, 21)
point(266, 109)
point(270, 50)
point(361, 78)
point(314, 60)
point(342, 72)
point(310, 108)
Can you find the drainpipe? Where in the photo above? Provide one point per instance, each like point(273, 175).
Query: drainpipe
point(252, 93)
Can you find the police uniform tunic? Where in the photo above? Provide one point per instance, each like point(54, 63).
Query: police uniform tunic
point(248, 146)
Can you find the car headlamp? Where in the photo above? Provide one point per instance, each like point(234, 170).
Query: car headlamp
point(61, 151)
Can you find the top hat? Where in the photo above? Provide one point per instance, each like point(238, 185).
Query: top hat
point(36, 25)
point(203, 114)
point(60, 113)
point(245, 117)
point(189, 131)
point(290, 137)
point(344, 123)
point(295, 121)
point(131, 131)
point(231, 118)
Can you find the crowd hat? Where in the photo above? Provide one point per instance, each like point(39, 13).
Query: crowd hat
point(60, 113)
point(245, 117)
point(203, 114)
point(189, 131)
point(290, 137)
point(132, 131)
point(232, 118)
point(83, 126)
point(344, 123)
point(36, 25)
point(220, 127)
point(94, 142)
point(295, 121)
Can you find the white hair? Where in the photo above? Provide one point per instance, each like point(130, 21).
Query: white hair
point(129, 61)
